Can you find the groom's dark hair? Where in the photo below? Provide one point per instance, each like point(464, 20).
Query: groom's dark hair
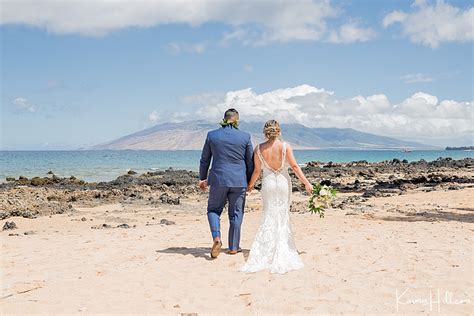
point(230, 113)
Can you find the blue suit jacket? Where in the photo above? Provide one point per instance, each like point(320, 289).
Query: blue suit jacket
point(231, 152)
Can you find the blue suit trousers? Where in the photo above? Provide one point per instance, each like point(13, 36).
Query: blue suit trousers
point(218, 196)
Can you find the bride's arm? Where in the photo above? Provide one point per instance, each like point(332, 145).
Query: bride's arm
point(256, 172)
point(296, 168)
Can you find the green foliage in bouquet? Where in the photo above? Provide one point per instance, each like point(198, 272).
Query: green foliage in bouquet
point(320, 198)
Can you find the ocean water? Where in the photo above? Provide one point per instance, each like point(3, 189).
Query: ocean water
point(107, 165)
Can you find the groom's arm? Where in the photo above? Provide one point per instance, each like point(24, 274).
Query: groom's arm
point(249, 159)
point(206, 156)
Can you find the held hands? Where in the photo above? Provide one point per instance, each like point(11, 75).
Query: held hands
point(202, 185)
point(250, 188)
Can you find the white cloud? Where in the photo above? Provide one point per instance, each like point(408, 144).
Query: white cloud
point(351, 32)
point(420, 117)
point(182, 47)
point(154, 116)
point(433, 24)
point(23, 104)
point(252, 22)
point(415, 78)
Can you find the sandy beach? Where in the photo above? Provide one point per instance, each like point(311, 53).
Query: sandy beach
point(127, 125)
point(388, 258)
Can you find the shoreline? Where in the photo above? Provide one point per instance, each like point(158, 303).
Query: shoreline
point(95, 166)
point(180, 150)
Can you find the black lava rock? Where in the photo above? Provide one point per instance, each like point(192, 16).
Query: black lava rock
point(9, 225)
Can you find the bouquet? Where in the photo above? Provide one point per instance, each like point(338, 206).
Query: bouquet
point(320, 198)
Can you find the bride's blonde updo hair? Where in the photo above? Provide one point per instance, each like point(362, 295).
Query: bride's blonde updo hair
point(272, 130)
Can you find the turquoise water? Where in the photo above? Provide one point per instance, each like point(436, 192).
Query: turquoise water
point(107, 165)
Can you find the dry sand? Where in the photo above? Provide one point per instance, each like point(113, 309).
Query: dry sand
point(418, 244)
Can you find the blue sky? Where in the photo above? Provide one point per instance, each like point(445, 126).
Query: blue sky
point(72, 80)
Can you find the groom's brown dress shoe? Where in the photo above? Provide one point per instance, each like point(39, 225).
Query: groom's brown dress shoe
point(216, 249)
point(234, 252)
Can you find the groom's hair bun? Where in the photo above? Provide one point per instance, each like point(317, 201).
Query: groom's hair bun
point(231, 113)
point(272, 130)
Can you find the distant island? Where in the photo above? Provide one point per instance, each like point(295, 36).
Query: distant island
point(191, 135)
point(460, 148)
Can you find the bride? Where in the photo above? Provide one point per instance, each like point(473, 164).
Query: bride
point(274, 247)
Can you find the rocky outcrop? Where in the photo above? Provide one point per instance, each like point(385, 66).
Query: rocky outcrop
point(53, 195)
point(390, 177)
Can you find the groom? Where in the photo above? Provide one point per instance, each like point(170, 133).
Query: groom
point(232, 166)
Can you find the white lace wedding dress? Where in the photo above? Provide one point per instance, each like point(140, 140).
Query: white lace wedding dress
point(274, 248)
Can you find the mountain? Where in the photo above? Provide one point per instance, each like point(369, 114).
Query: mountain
point(191, 136)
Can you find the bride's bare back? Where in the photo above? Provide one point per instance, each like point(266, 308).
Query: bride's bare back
point(272, 153)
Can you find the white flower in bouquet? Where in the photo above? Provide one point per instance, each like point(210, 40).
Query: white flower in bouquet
point(323, 192)
point(319, 200)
